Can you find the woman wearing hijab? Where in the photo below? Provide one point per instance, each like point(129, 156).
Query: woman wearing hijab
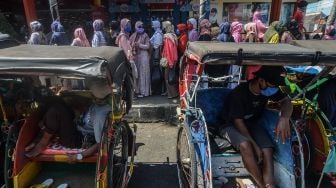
point(261, 28)
point(293, 32)
point(37, 37)
point(236, 29)
point(140, 49)
point(251, 32)
point(123, 42)
point(80, 38)
point(192, 27)
point(157, 81)
point(300, 14)
point(205, 34)
point(182, 39)
point(225, 35)
point(170, 53)
point(274, 32)
point(58, 36)
point(99, 37)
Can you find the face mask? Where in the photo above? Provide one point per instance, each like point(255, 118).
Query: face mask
point(140, 30)
point(212, 19)
point(128, 28)
point(189, 26)
point(178, 32)
point(269, 91)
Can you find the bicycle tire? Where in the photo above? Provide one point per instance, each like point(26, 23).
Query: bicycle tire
point(117, 165)
point(101, 182)
point(187, 177)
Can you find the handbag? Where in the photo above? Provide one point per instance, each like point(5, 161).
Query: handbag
point(172, 76)
point(163, 62)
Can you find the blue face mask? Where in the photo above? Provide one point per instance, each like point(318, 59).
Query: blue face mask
point(128, 28)
point(140, 30)
point(269, 91)
point(178, 32)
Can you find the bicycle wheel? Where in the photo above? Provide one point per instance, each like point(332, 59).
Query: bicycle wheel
point(101, 170)
point(186, 159)
point(118, 157)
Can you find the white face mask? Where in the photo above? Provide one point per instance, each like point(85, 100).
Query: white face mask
point(212, 19)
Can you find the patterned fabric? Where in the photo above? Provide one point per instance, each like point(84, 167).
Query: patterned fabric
point(236, 29)
point(272, 34)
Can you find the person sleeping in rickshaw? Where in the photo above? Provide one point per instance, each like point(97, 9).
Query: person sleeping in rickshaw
point(76, 121)
point(244, 106)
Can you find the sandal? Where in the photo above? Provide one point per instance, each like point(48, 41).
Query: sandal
point(47, 183)
point(63, 185)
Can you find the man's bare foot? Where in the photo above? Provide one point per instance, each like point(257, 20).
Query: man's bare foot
point(41, 145)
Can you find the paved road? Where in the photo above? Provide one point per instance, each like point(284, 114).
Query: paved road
point(156, 157)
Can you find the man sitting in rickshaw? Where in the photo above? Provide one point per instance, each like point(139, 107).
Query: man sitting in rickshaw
point(244, 107)
point(76, 121)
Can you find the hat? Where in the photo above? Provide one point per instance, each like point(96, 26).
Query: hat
point(275, 75)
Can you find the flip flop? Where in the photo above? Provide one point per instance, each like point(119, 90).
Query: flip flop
point(63, 185)
point(47, 183)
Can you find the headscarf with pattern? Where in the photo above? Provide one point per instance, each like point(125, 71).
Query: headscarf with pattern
point(236, 29)
point(276, 27)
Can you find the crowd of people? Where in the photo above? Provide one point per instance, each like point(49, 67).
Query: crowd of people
point(154, 59)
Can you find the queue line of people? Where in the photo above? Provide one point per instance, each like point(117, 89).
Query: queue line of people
point(168, 44)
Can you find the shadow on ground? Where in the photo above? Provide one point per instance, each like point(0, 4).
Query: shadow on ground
point(154, 175)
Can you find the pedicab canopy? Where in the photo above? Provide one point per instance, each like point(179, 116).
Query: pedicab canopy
point(326, 48)
point(60, 60)
point(255, 53)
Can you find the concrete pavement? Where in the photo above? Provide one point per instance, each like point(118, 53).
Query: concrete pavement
point(156, 156)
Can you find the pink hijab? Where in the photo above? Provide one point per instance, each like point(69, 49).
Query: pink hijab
point(236, 29)
point(80, 36)
point(205, 27)
point(261, 28)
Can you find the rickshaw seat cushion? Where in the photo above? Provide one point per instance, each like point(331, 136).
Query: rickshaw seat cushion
point(211, 102)
point(58, 153)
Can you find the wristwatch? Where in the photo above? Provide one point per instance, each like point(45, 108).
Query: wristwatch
point(79, 156)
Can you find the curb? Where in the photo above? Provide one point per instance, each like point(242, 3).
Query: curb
point(153, 113)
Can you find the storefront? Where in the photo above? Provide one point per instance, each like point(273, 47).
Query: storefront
point(147, 10)
point(230, 10)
